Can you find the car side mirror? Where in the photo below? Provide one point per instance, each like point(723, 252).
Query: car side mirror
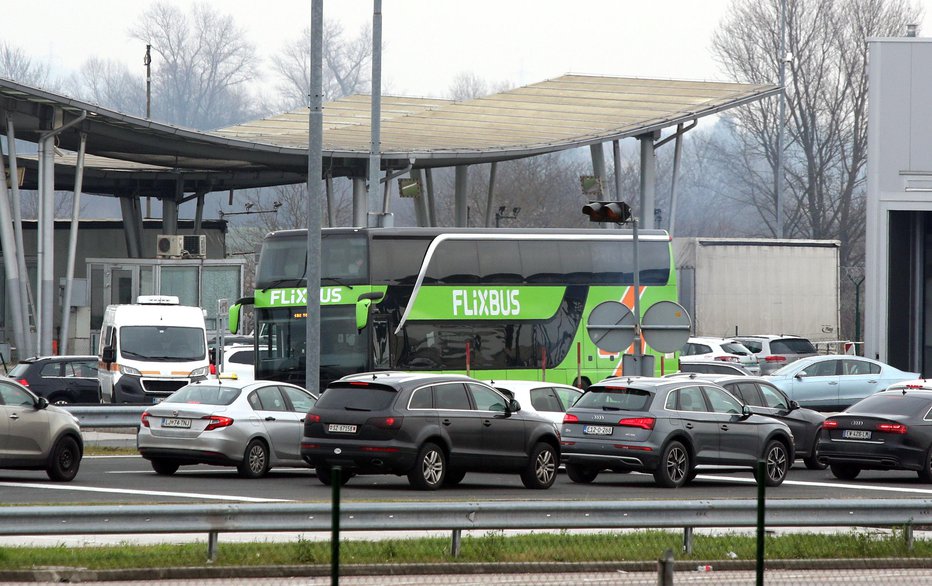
point(42, 403)
point(108, 354)
point(799, 376)
point(794, 405)
point(513, 406)
point(746, 411)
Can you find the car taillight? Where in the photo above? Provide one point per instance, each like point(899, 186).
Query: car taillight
point(380, 449)
point(312, 418)
point(892, 428)
point(385, 422)
point(830, 424)
point(642, 422)
point(359, 384)
point(145, 419)
point(217, 421)
point(727, 358)
point(570, 418)
point(23, 382)
point(775, 359)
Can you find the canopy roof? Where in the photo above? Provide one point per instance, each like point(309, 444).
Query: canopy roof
point(553, 115)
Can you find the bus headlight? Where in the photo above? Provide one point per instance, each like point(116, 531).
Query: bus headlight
point(129, 370)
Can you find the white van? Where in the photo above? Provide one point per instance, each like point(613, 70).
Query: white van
point(151, 349)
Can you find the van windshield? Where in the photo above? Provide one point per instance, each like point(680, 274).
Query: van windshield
point(162, 343)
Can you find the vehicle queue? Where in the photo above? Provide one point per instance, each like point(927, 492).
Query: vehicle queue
point(436, 428)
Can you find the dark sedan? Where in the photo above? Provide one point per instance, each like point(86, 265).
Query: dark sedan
point(890, 430)
point(432, 428)
point(668, 427)
point(766, 399)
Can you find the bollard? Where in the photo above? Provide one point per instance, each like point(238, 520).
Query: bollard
point(455, 543)
point(212, 545)
point(665, 569)
point(687, 540)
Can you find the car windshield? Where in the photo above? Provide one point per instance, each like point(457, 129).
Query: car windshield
point(891, 404)
point(204, 394)
point(792, 346)
point(18, 370)
point(791, 368)
point(735, 348)
point(615, 399)
point(165, 343)
point(356, 397)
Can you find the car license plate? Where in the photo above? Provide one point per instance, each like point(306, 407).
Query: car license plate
point(597, 430)
point(185, 423)
point(856, 434)
point(340, 428)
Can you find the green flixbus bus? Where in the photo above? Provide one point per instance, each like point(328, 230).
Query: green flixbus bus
point(494, 304)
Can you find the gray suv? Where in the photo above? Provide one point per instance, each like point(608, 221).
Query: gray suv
point(668, 427)
point(37, 436)
point(432, 428)
point(775, 352)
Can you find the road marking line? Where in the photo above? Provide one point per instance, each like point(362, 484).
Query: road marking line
point(192, 495)
point(823, 484)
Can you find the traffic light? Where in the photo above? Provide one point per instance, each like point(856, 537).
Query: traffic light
point(607, 211)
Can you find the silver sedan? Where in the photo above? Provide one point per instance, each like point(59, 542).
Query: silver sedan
point(252, 425)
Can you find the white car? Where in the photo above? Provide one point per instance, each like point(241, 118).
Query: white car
point(239, 359)
point(722, 350)
point(549, 400)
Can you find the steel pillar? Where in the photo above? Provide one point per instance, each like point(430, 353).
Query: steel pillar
point(314, 193)
point(431, 199)
point(11, 266)
point(421, 212)
point(648, 181)
point(491, 201)
point(460, 196)
point(72, 249)
point(375, 164)
point(131, 226)
point(360, 203)
point(28, 348)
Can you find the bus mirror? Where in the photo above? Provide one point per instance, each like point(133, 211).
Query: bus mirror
point(108, 354)
point(362, 313)
point(233, 321)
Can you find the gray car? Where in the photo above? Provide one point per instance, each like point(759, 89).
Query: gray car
point(252, 425)
point(432, 428)
point(668, 427)
point(37, 436)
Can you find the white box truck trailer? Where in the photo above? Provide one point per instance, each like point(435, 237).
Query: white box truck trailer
point(150, 349)
point(760, 286)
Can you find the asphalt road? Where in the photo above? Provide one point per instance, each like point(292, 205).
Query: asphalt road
point(130, 479)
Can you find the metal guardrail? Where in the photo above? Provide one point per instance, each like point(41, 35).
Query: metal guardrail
point(107, 415)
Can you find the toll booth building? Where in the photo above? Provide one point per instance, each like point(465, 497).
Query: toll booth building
point(192, 267)
point(898, 248)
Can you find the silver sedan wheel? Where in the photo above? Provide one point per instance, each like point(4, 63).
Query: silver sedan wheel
point(257, 457)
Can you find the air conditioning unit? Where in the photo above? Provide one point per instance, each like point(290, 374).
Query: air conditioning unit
point(181, 246)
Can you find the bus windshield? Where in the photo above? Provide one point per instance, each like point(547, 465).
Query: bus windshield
point(283, 260)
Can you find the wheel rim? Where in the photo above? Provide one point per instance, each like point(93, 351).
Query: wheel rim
point(676, 464)
point(545, 466)
point(66, 459)
point(257, 458)
point(432, 467)
point(776, 463)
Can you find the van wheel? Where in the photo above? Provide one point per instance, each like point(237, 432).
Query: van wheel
point(64, 460)
point(164, 467)
point(541, 470)
point(430, 468)
point(255, 461)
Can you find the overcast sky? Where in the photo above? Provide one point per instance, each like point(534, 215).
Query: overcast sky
point(427, 42)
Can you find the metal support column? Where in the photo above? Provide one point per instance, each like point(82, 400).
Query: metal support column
point(198, 213)
point(677, 150)
point(72, 248)
point(648, 181)
point(376, 111)
point(491, 201)
point(11, 266)
point(130, 226)
point(421, 212)
point(314, 193)
point(360, 203)
point(331, 210)
point(170, 210)
point(598, 165)
point(26, 304)
point(460, 196)
point(431, 197)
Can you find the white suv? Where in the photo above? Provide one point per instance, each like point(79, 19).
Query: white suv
point(722, 350)
point(240, 359)
point(774, 352)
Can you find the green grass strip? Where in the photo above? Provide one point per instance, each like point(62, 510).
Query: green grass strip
point(644, 545)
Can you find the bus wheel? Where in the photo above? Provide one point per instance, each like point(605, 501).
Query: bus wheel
point(582, 383)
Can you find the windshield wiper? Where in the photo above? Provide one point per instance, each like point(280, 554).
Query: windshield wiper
point(607, 408)
point(279, 282)
point(340, 282)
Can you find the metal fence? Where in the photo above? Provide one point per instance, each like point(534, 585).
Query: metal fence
point(107, 416)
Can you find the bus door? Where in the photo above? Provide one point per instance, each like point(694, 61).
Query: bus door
point(381, 339)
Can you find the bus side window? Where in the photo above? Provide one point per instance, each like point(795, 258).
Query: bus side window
point(381, 353)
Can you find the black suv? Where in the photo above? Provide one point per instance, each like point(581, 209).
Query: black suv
point(60, 379)
point(432, 428)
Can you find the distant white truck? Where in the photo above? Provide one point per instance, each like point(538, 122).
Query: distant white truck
point(741, 286)
point(150, 349)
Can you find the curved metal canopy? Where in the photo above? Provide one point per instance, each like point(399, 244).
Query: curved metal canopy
point(553, 115)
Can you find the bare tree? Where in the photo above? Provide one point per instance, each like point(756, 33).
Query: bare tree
point(15, 64)
point(466, 86)
point(826, 110)
point(202, 65)
point(110, 84)
point(347, 63)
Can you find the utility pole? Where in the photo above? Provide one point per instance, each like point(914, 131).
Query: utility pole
point(781, 123)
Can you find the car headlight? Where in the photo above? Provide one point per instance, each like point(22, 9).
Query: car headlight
point(129, 370)
point(200, 372)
